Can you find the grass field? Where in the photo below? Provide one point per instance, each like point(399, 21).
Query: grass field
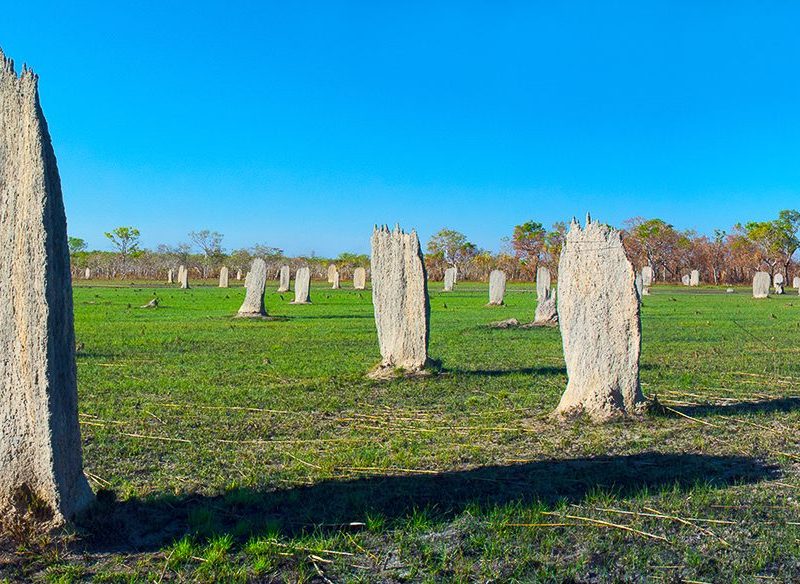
point(234, 450)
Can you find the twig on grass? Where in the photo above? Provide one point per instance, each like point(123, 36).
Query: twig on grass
point(313, 559)
point(240, 408)
point(674, 411)
point(608, 524)
point(389, 469)
point(149, 413)
point(310, 550)
point(101, 481)
point(689, 523)
point(166, 563)
point(540, 525)
point(287, 440)
point(301, 461)
point(160, 438)
point(782, 484)
point(352, 540)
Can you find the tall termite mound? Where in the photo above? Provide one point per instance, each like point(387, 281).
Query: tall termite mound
point(598, 312)
point(253, 305)
point(400, 299)
point(40, 442)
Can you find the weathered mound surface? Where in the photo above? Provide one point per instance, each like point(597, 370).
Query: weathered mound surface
point(647, 280)
point(40, 443)
point(598, 312)
point(253, 305)
point(761, 282)
point(400, 299)
point(546, 312)
point(284, 276)
point(449, 279)
point(302, 285)
point(497, 287)
point(360, 279)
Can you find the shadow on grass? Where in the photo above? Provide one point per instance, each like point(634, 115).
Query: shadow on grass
point(329, 316)
point(329, 506)
point(782, 405)
point(503, 372)
point(545, 370)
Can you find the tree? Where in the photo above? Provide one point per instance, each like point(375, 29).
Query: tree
point(353, 259)
point(528, 242)
point(209, 242)
point(266, 251)
point(126, 240)
point(76, 245)
point(553, 242)
point(777, 240)
point(660, 243)
point(454, 247)
point(719, 253)
point(533, 246)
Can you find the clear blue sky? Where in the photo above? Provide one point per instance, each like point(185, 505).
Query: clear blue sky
point(300, 124)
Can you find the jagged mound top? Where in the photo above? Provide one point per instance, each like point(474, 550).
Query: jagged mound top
point(385, 229)
point(7, 70)
point(593, 235)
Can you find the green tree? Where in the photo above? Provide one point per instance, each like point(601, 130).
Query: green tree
point(776, 240)
point(209, 242)
point(76, 245)
point(125, 239)
point(662, 244)
point(352, 260)
point(453, 245)
point(268, 252)
point(528, 242)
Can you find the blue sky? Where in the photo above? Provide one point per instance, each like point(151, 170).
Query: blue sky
point(300, 124)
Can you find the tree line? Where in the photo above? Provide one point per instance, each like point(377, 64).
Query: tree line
point(726, 257)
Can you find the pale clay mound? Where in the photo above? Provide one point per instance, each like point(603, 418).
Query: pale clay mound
point(761, 282)
point(497, 287)
point(284, 275)
point(400, 300)
point(647, 280)
point(253, 305)
point(777, 283)
point(360, 279)
point(546, 312)
point(183, 277)
point(302, 282)
point(598, 312)
point(449, 279)
point(40, 443)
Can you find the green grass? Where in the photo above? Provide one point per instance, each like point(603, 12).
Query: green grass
point(235, 450)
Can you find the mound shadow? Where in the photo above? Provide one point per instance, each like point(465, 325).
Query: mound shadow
point(329, 316)
point(779, 405)
point(545, 370)
point(333, 505)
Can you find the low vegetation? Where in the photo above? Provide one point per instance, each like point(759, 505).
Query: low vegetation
point(234, 450)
